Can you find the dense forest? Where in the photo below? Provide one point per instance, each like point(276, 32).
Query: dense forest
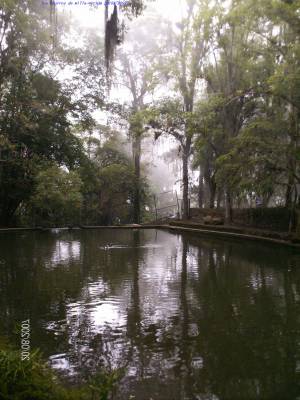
point(81, 108)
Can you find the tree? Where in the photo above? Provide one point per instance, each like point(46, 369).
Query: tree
point(183, 68)
point(37, 109)
point(34, 128)
point(140, 75)
point(209, 145)
point(248, 137)
point(284, 86)
point(57, 197)
point(233, 76)
point(109, 184)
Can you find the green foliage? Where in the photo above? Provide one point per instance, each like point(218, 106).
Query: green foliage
point(34, 107)
point(233, 79)
point(26, 379)
point(138, 120)
point(117, 184)
point(248, 126)
point(257, 159)
point(109, 185)
point(102, 384)
point(57, 198)
point(34, 380)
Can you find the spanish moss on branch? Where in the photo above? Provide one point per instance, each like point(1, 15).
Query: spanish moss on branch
point(114, 28)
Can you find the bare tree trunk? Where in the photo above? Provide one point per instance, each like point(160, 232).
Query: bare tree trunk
point(219, 198)
point(212, 195)
point(288, 194)
point(200, 189)
point(185, 177)
point(137, 172)
point(185, 181)
point(228, 207)
point(210, 181)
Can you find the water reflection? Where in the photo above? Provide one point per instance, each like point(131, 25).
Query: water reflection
point(189, 318)
point(63, 253)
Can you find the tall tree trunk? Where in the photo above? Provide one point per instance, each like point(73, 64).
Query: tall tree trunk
point(137, 172)
point(219, 198)
point(210, 181)
point(228, 207)
point(212, 193)
point(292, 162)
point(200, 189)
point(288, 193)
point(185, 181)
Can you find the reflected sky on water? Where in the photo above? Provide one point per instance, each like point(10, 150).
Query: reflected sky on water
point(188, 317)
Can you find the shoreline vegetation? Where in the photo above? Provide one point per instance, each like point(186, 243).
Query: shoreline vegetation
point(34, 379)
point(231, 232)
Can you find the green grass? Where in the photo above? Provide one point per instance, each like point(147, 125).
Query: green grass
point(34, 380)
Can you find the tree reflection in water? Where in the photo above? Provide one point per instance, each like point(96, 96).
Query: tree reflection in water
point(188, 317)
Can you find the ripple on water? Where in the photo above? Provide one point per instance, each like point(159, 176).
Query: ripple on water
point(175, 310)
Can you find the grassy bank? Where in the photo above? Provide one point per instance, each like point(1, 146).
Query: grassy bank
point(34, 380)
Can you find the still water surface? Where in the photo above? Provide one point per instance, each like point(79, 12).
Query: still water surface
point(187, 317)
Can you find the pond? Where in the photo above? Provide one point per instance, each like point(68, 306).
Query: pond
point(187, 317)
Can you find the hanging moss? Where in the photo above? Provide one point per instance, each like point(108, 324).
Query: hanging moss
point(52, 8)
point(114, 30)
point(53, 21)
point(112, 37)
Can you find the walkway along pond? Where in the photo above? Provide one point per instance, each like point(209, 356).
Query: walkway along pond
point(187, 316)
